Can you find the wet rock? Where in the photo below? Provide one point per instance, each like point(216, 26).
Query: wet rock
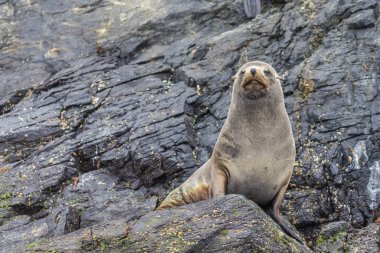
point(366, 240)
point(229, 224)
point(340, 237)
point(100, 197)
point(16, 221)
point(362, 19)
point(21, 232)
point(332, 237)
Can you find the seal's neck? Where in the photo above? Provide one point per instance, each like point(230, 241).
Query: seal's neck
point(259, 116)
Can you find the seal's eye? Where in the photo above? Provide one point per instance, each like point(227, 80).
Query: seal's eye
point(242, 73)
point(267, 73)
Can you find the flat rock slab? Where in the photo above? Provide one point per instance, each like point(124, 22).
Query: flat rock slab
point(19, 232)
point(229, 224)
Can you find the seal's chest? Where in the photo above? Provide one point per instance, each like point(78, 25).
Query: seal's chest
point(259, 180)
point(264, 165)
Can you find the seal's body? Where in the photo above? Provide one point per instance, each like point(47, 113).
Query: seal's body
point(255, 152)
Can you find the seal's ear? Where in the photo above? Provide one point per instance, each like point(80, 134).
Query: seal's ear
point(233, 78)
point(280, 78)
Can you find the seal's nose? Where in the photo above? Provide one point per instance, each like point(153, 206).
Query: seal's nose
point(253, 71)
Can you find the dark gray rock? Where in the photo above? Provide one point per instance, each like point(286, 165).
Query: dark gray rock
point(22, 232)
point(366, 240)
point(100, 197)
point(340, 237)
point(229, 224)
point(106, 107)
point(333, 237)
point(362, 19)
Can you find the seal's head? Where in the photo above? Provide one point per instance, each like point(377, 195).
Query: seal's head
point(255, 79)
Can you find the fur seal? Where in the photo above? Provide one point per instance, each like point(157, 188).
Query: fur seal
point(255, 152)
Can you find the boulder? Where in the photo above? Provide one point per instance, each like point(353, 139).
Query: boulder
point(229, 224)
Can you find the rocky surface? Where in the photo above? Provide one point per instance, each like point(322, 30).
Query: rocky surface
point(105, 106)
point(340, 237)
point(229, 224)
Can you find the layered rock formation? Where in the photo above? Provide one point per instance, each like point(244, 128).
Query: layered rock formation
point(105, 106)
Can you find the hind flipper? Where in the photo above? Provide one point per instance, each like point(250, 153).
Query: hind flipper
point(274, 212)
point(185, 194)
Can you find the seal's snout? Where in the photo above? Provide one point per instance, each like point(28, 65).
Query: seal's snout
point(254, 79)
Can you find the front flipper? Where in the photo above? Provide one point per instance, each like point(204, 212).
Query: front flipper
point(219, 180)
point(273, 210)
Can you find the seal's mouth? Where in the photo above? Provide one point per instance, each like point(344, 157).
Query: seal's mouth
point(255, 85)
